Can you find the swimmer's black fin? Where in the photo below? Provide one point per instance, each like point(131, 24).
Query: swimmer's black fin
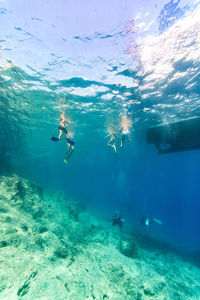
point(54, 139)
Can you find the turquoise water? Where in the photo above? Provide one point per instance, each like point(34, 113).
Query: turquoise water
point(100, 61)
point(116, 68)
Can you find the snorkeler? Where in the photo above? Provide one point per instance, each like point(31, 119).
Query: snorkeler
point(112, 142)
point(125, 126)
point(63, 128)
point(117, 220)
point(147, 221)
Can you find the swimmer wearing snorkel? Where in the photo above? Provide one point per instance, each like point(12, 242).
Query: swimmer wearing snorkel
point(63, 128)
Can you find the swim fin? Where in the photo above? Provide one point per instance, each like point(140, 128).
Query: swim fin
point(54, 139)
point(69, 141)
point(157, 221)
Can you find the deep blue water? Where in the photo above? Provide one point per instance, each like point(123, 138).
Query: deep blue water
point(142, 61)
point(137, 181)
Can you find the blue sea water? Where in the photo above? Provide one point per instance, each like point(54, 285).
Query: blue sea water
point(100, 61)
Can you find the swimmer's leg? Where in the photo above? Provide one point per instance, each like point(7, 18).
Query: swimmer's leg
point(129, 138)
point(67, 134)
point(68, 153)
point(111, 143)
point(60, 133)
point(122, 142)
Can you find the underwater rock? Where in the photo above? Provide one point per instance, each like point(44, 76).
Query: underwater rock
point(75, 209)
point(74, 213)
point(50, 241)
point(8, 219)
point(153, 288)
point(15, 240)
point(3, 209)
point(61, 252)
point(3, 244)
point(24, 227)
point(37, 212)
point(57, 230)
point(23, 194)
point(39, 228)
point(37, 189)
point(148, 291)
point(67, 287)
point(11, 230)
point(107, 237)
point(26, 286)
point(40, 242)
point(20, 188)
point(128, 247)
point(139, 296)
point(116, 273)
point(5, 219)
point(44, 228)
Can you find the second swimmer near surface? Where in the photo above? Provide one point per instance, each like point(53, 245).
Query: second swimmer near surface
point(125, 126)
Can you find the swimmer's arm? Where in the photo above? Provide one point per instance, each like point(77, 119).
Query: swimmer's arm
point(106, 136)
